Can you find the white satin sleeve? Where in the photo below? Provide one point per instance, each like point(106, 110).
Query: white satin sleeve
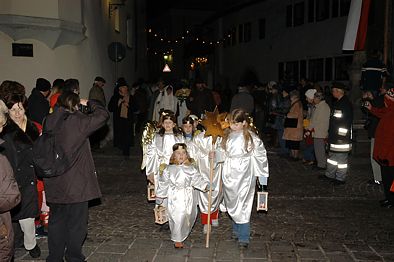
point(259, 160)
point(152, 158)
point(163, 184)
point(198, 181)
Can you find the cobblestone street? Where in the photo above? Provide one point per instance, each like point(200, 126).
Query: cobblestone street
point(308, 219)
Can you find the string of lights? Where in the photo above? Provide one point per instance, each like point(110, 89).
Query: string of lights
point(179, 40)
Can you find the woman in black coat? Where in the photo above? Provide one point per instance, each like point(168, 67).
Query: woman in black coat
point(19, 135)
point(9, 197)
point(122, 108)
point(68, 194)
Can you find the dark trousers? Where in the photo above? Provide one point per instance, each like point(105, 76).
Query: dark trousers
point(67, 229)
point(387, 181)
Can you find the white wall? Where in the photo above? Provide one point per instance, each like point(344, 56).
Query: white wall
point(83, 61)
point(38, 8)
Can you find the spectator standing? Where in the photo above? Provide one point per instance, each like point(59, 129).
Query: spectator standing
point(373, 72)
point(383, 150)
point(318, 127)
point(38, 104)
point(57, 88)
point(9, 197)
point(200, 99)
point(293, 135)
point(280, 104)
point(303, 86)
point(140, 98)
point(226, 96)
point(121, 107)
point(308, 151)
point(19, 135)
point(97, 93)
point(69, 210)
point(372, 123)
point(243, 99)
point(339, 136)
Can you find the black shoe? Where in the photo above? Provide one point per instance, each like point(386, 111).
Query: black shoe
point(338, 182)
point(324, 177)
point(318, 168)
point(164, 227)
point(389, 205)
point(243, 245)
point(35, 252)
point(40, 232)
point(383, 201)
point(234, 236)
point(308, 163)
point(386, 203)
point(374, 182)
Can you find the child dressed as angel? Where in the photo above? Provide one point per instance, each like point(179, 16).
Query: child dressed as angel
point(177, 184)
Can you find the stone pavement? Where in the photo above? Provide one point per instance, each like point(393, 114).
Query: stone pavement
point(308, 219)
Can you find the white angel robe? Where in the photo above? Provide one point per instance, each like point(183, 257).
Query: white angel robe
point(177, 184)
point(159, 152)
point(182, 110)
point(240, 170)
point(164, 101)
point(202, 146)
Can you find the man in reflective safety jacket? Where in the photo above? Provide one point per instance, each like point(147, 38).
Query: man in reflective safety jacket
point(339, 135)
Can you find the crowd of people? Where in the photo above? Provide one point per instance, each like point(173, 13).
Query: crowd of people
point(190, 168)
point(54, 207)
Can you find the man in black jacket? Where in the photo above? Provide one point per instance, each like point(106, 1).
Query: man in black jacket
point(38, 104)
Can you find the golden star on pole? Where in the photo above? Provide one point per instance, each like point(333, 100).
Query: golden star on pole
point(213, 124)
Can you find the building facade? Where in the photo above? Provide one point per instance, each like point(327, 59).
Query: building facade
point(282, 39)
point(70, 39)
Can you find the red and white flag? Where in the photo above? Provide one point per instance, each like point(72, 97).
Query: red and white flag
point(357, 25)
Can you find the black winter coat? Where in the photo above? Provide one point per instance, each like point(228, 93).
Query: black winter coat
point(122, 127)
point(38, 106)
point(79, 183)
point(18, 147)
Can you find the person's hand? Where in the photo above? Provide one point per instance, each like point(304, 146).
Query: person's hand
point(307, 133)
point(151, 178)
point(368, 105)
point(83, 101)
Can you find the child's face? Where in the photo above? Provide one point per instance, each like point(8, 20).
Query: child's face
point(180, 156)
point(237, 126)
point(187, 128)
point(168, 125)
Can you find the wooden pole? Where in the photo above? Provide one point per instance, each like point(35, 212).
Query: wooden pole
point(209, 198)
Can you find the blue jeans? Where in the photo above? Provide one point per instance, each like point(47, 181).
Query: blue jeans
point(309, 153)
point(242, 231)
point(282, 143)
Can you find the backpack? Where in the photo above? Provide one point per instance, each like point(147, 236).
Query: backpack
point(49, 158)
